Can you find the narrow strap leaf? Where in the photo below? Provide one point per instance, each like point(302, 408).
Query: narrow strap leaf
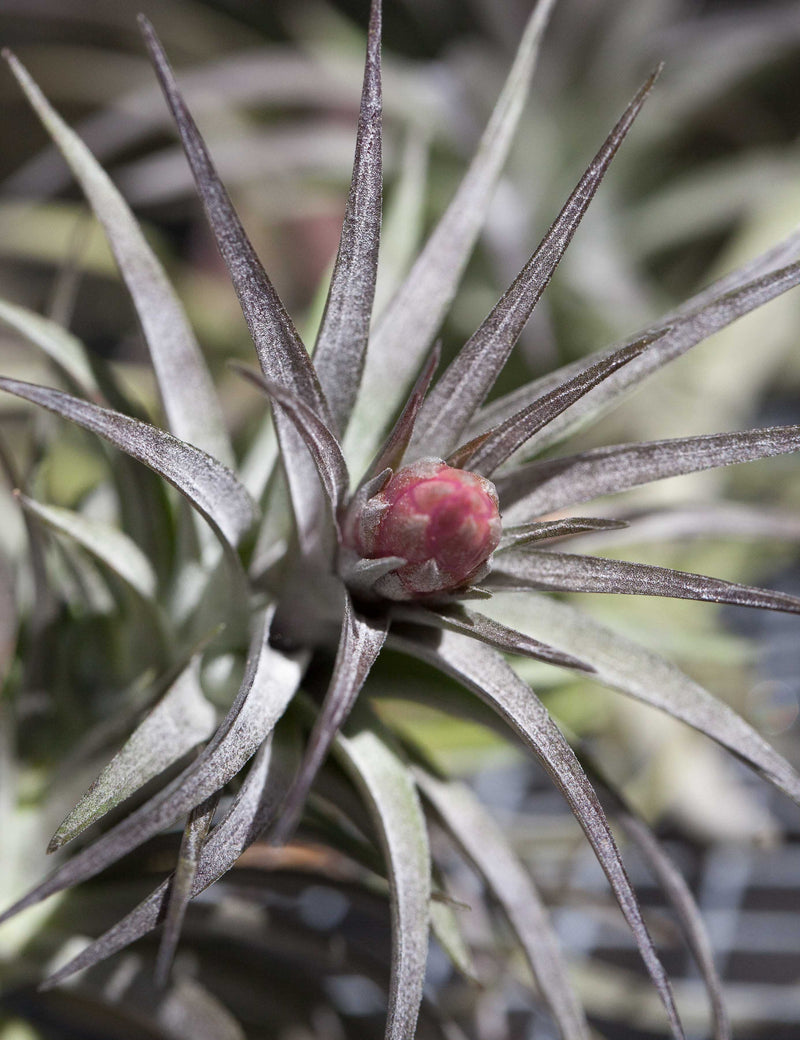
point(458, 619)
point(181, 720)
point(360, 643)
point(544, 486)
point(269, 684)
point(465, 384)
point(190, 402)
point(486, 845)
point(482, 670)
point(538, 530)
point(250, 812)
point(180, 890)
point(408, 326)
point(60, 345)
point(390, 793)
point(491, 451)
point(628, 667)
point(212, 488)
point(565, 572)
point(342, 339)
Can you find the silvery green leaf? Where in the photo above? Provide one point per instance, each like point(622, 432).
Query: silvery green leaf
point(673, 885)
point(194, 837)
point(538, 530)
point(360, 642)
point(181, 720)
point(408, 326)
point(105, 542)
point(342, 339)
point(211, 487)
point(251, 811)
point(388, 788)
point(188, 395)
point(627, 666)
point(190, 1010)
point(486, 845)
point(482, 670)
point(360, 575)
point(459, 619)
point(465, 384)
point(60, 345)
point(270, 682)
point(316, 434)
point(492, 450)
point(547, 485)
point(446, 926)
point(675, 333)
point(565, 572)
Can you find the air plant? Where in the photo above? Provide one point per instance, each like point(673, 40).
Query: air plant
point(412, 502)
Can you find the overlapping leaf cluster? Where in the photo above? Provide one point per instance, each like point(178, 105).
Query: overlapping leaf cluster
point(281, 574)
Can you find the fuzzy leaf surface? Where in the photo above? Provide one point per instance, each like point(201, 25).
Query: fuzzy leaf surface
point(342, 339)
point(212, 488)
point(407, 327)
point(187, 392)
point(482, 670)
point(470, 377)
point(486, 845)
point(538, 530)
point(59, 344)
point(544, 486)
point(630, 668)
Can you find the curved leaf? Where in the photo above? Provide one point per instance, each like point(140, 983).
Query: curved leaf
point(539, 530)
point(60, 345)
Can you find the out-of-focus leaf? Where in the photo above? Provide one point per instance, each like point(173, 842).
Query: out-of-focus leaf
point(485, 844)
point(642, 674)
point(8, 618)
point(180, 890)
point(541, 487)
point(360, 643)
point(458, 619)
point(538, 530)
point(389, 790)
point(565, 572)
point(408, 325)
point(342, 340)
point(493, 448)
point(482, 670)
point(465, 384)
point(189, 1010)
point(106, 543)
point(190, 402)
point(60, 345)
point(250, 812)
point(270, 682)
point(212, 488)
point(181, 720)
point(446, 926)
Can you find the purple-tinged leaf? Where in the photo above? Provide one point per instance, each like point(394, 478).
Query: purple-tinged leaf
point(180, 890)
point(486, 845)
point(459, 619)
point(251, 811)
point(408, 326)
point(270, 682)
point(342, 339)
point(679, 895)
point(58, 343)
point(316, 434)
point(464, 386)
point(482, 670)
point(628, 667)
point(8, 618)
point(544, 486)
point(388, 789)
point(539, 530)
point(360, 643)
point(491, 451)
point(190, 402)
point(391, 454)
point(565, 572)
point(181, 720)
point(675, 335)
point(211, 487)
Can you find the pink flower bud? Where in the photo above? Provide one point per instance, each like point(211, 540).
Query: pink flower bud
point(444, 522)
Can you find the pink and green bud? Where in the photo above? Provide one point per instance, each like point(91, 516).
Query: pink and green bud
point(444, 522)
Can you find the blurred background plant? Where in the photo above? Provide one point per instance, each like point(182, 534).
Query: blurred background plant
point(709, 178)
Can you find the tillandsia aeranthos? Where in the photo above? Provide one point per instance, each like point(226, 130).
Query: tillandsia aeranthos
point(393, 530)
